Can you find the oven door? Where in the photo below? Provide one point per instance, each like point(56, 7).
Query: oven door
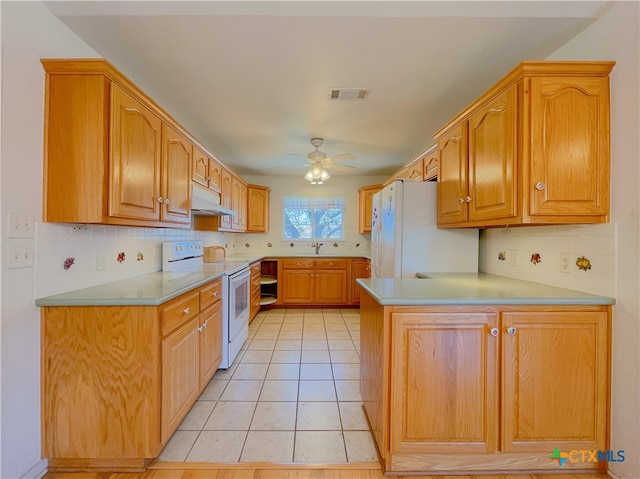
point(238, 311)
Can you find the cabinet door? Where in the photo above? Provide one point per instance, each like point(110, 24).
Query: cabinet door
point(257, 209)
point(177, 154)
point(415, 171)
point(210, 342)
point(226, 221)
point(492, 159)
point(215, 175)
point(431, 165)
point(452, 180)
point(241, 210)
point(555, 381)
point(444, 383)
point(180, 376)
point(297, 286)
point(365, 204)
point(359, 269)
point(569, 146)
point(200, 170)
point(331, 286)
point(136, 151)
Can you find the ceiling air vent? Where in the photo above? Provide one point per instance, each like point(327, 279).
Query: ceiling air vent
point(351, 94)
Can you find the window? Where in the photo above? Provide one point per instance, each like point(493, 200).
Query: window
point(313, 217)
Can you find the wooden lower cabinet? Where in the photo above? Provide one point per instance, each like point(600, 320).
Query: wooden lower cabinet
point(360, 268)
point(118, 380)
point(256, 274)
point(180, 375)
point(308, 281)
point(210, 342)
point(451, 389)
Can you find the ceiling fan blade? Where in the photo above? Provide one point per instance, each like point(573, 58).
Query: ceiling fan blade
point(331, 166)
point(340, 158)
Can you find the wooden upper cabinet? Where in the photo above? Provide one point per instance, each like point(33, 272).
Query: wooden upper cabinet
point(452, 178)
point(200, 170)
point(365, 207)
point(206, 171)
point(135, 166)
point(238, 204)
point(226, 222)
point(111, 155)
point(177, 153)
point(537, 151)
point(431, 165)
point(414, 171)
point(569, 146)
point(215, 175)
point(492, 159)
point(257, 209)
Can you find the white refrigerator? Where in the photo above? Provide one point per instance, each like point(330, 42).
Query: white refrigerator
point(405, 238)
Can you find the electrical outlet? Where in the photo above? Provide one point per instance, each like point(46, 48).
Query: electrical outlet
point(79, 229)
point(19, 255)
point(564, 265)
point(513, 258)
point(20, 226)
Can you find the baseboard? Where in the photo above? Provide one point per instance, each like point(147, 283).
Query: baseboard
point(37, 471)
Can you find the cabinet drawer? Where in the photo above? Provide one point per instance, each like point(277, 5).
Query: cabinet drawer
point(255, 269)
point(210, 293)
point(178, 310)
point(297, 263)
point(331, 263)
point(255, 284)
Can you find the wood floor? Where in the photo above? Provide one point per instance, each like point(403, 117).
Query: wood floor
point(275, 471)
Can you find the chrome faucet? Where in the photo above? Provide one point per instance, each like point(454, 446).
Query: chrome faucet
point(317, 246)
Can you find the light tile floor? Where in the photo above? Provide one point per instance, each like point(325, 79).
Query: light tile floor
point(292, 395)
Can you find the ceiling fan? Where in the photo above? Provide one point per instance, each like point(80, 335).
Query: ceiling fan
point(319, 158)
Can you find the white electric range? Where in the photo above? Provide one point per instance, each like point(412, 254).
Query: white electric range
point(184, 256)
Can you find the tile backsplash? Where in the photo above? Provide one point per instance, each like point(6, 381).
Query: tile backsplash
point(70, 257)
point(581, 257)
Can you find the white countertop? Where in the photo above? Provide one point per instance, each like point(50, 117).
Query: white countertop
point(473, 288)
point(154, 289)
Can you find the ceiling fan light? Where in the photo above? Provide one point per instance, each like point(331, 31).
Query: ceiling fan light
point(316, 172)
point(324, 176)
point(308, 175)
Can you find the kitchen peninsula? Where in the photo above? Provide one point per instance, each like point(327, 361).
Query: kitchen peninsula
point(470, 373)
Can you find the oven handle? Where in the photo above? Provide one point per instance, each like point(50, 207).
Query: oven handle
point(240, 276)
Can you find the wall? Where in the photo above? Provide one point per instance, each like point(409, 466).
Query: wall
point(30, 32)
point(347, 186)
point(614, 248)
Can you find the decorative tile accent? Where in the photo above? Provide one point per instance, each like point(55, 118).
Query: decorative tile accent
point(583, 263)
point(536, 258)
point(502, 256)
point(121, 257)
point(68, 263)
point(139, 256)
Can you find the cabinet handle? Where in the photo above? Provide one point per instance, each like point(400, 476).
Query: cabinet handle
point(494, 332)
point(214, 294)
point(186, 310)
point(511, 331)
point(460, 201)
point(540, 185)
point(200, 328)
point(166, 201)
point(160, 199)
point(206, 323)
point(468, 199)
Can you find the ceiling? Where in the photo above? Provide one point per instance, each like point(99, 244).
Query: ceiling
point(251, 80)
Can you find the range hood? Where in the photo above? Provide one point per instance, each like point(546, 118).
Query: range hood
point(205, 202)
